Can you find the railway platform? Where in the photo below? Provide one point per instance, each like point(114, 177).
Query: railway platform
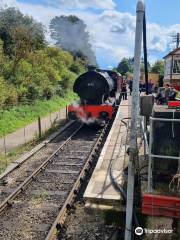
point(100, 192)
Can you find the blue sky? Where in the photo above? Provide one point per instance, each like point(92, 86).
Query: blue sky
point(164, 12)
point(111, 24)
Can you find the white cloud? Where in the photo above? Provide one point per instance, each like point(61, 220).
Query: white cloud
point(111, 32)
point(7, 3)
point(83, 4)
point(160, 37)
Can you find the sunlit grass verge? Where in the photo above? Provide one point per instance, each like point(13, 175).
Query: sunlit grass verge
point(20, 116)
point(5, 160)
point(8, 158)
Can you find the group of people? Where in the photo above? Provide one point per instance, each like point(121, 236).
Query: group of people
point(129, 84)
point(124, 90)
point(166, 94)
point(163, 95)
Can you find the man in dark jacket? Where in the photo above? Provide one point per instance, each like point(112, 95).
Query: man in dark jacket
point(172, 94)
point(167, 91)
point(124, 91)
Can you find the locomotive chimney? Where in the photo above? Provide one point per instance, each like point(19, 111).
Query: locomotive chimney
point(92, 67)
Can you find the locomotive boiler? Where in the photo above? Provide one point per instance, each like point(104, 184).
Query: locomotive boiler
point(99, 92)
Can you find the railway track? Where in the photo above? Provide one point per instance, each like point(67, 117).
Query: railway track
point(13, 178)
point(45, 195)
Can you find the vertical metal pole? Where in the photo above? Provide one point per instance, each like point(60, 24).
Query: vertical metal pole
point(145, 55)
point(150, 158)
point(5, 150)
point(39, 127)
point(145, 129)
point(177, 45)
point(25, 135)
point(66, 112)
point(172, 62)
point(134, 118)
point(50, 119)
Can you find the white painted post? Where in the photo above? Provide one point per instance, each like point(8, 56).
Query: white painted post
point(149, 189)
point(134, 118)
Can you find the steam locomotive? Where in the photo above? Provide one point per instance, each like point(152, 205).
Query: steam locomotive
point(99, 93)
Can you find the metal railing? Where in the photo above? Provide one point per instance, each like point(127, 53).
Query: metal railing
point(148, 146)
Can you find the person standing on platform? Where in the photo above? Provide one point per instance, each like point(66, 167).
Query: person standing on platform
point(167, 92)
point(130, 86)
point(155, 88)
point(150, 86)
point(172, 94)
point(124, 91)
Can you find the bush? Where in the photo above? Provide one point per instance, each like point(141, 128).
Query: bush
point(41, 75)
point(76, 67)
point(67, 80)
point(8, 94)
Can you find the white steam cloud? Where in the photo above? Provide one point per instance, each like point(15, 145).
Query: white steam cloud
point(70, 33)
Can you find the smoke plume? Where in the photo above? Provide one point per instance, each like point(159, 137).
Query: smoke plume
point(69, 33)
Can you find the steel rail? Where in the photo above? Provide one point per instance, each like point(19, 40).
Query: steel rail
point(74, 191)
point(28, 180)
point(36, 149)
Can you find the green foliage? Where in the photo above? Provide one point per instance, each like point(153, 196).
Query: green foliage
point(20, 116)
point(126, 65)
point(46, 73)
point(8, 95)
point(40, 75)
point(3, 92)
point(158, 67)
point(142, 65)
point(76, 67)
point(32, 74)
point(19, 32)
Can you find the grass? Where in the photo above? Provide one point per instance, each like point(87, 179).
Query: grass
point(20, 116)
point(13, 155)
point(16, 153)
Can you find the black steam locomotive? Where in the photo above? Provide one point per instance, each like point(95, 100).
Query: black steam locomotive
point(99, 91)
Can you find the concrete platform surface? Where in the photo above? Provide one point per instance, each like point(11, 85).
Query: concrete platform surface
point(100, 192)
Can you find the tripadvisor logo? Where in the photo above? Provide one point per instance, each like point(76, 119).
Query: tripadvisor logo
point(139, 231)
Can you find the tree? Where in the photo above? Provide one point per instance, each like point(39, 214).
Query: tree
point(124, 66)
point(22, 46)
point(158, 67)
point(70, 34)
point(142, 66)
point(8, 94)
point(15, 27)
point(29, 68)
point(131, 64)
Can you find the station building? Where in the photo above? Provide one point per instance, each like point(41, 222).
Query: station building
point(172, 68)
